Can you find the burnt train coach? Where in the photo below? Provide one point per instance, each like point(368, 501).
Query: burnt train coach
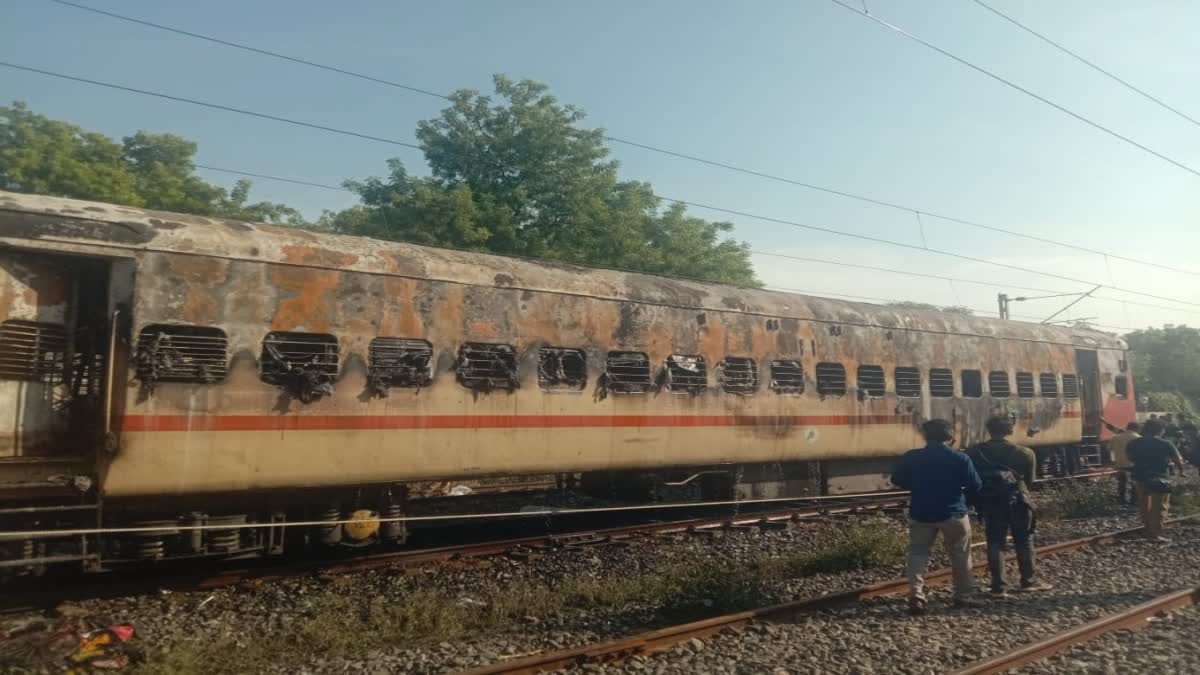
point(182, 383)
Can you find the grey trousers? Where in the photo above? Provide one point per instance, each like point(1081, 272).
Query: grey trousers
point(956, 532)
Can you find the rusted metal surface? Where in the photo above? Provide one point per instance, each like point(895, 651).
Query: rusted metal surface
point(1134, 617)
point(244, 434)
point(645, 643)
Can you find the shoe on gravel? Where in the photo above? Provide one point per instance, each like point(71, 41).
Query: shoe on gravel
point(998, 592)
point(917, 607)
point(1035, 586)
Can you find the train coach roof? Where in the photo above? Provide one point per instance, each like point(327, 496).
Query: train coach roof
point(34, 221)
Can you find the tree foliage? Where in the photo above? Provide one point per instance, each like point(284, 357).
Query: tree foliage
point(1166, 359)
point(44, 156)
point(518, 175)
point(925, 306)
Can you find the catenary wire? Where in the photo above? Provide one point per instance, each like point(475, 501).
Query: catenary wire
point(1107, 73)
point(631, 143)
point(1014, 85)
point(709, 207)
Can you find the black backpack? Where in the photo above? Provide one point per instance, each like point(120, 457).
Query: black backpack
point(1000, 483)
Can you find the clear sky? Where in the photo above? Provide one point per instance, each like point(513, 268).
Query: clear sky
point(802, 89)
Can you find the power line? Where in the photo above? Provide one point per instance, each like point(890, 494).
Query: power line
point(635, 144)
point(1088, 63)
point(266, 177)
point(214, 106)
point(815, 228)
point(1014, 85)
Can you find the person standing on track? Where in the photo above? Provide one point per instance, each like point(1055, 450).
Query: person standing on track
point(937, 477)
point(1004, 503)
point(1152, 458)
point(1118, 447)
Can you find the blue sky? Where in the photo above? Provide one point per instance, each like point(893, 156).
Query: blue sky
point(805, 90)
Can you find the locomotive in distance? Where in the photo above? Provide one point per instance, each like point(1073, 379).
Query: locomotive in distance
point(200, 379)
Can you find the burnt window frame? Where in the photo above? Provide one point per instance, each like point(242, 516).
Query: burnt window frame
point(1027, 389)
point(823, 373)
point(1042, 379)
point(905, 374)
point(298, 379)
point(618, 383)
point(876, 386)
point(379, 382)
point(938, 377)
point(561, 382)
point(673, 370)
point(993, 376)
point(794, 373)
point(508, 381)
point(1069, 391)
point(1121, 386)
point(41, 362)
point(143, 353)
point(975, 389)
point(747, 389)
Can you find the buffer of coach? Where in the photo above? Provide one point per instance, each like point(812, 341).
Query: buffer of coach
point(199, 379)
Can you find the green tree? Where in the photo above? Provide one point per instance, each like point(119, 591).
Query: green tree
point(1166, 359)
point(925, 306)
point(44, 156)
point(520, 176)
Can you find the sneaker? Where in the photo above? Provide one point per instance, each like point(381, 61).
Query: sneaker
point(917, 607)
point(1028, 587)
point(998, 592)
point(967, 603)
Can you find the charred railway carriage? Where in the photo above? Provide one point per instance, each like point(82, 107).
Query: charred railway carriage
point(181, 371)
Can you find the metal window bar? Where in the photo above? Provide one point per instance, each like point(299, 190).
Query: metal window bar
point(628, 372)
point(871, 381)
point(560, 368)
point(1049, 384)
point(487, 366)
point(739, 375)
point(787, 377)
point(32, 351)
point(686, 374)
point(831, 379)
point(941, 382)
point(972, 383)
point(1070, 385)
point(286, 352)
point(998, 384)
point(1121, 382)
point(168, 353)
point(1025, 385)
point(908, 382)
point(399, 362)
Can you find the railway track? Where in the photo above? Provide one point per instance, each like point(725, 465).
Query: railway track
point(664, 638)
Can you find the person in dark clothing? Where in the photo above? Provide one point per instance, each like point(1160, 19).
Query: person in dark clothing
point(1118, 448)
point(937, 477)
point(1152, 458)
point(1004, 503)
point(1191, 444)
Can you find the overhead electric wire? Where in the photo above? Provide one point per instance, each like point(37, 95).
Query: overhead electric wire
point(625, 141)
point(1014, 85)
point(1125, 83)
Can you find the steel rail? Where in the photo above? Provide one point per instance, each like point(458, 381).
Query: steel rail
point(1134, 617)
point(658, 640)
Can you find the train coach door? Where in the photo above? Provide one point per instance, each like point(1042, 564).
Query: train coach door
point(1087, 366)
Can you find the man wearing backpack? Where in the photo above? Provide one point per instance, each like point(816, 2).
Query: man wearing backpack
point(1006, 471)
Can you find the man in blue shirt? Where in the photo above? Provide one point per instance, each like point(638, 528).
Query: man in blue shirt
point(937, 477)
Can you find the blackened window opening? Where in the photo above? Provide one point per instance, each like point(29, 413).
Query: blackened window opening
point(304, 364)
point(998, 384)
point(1070, 385)
point(787, 377)
point(560, 368)
point(871, 381)
point(487, 367)
point(831, 379)
point(32, 351)
point(941, 382)
point(972, 383)
point(171, 353)
point(628, 373)
point(1025, 385)
point(686, 373)
point(739, 375)
point(908, 382)
point(1049, 382)
point(399, 362)
point(1121, 382)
